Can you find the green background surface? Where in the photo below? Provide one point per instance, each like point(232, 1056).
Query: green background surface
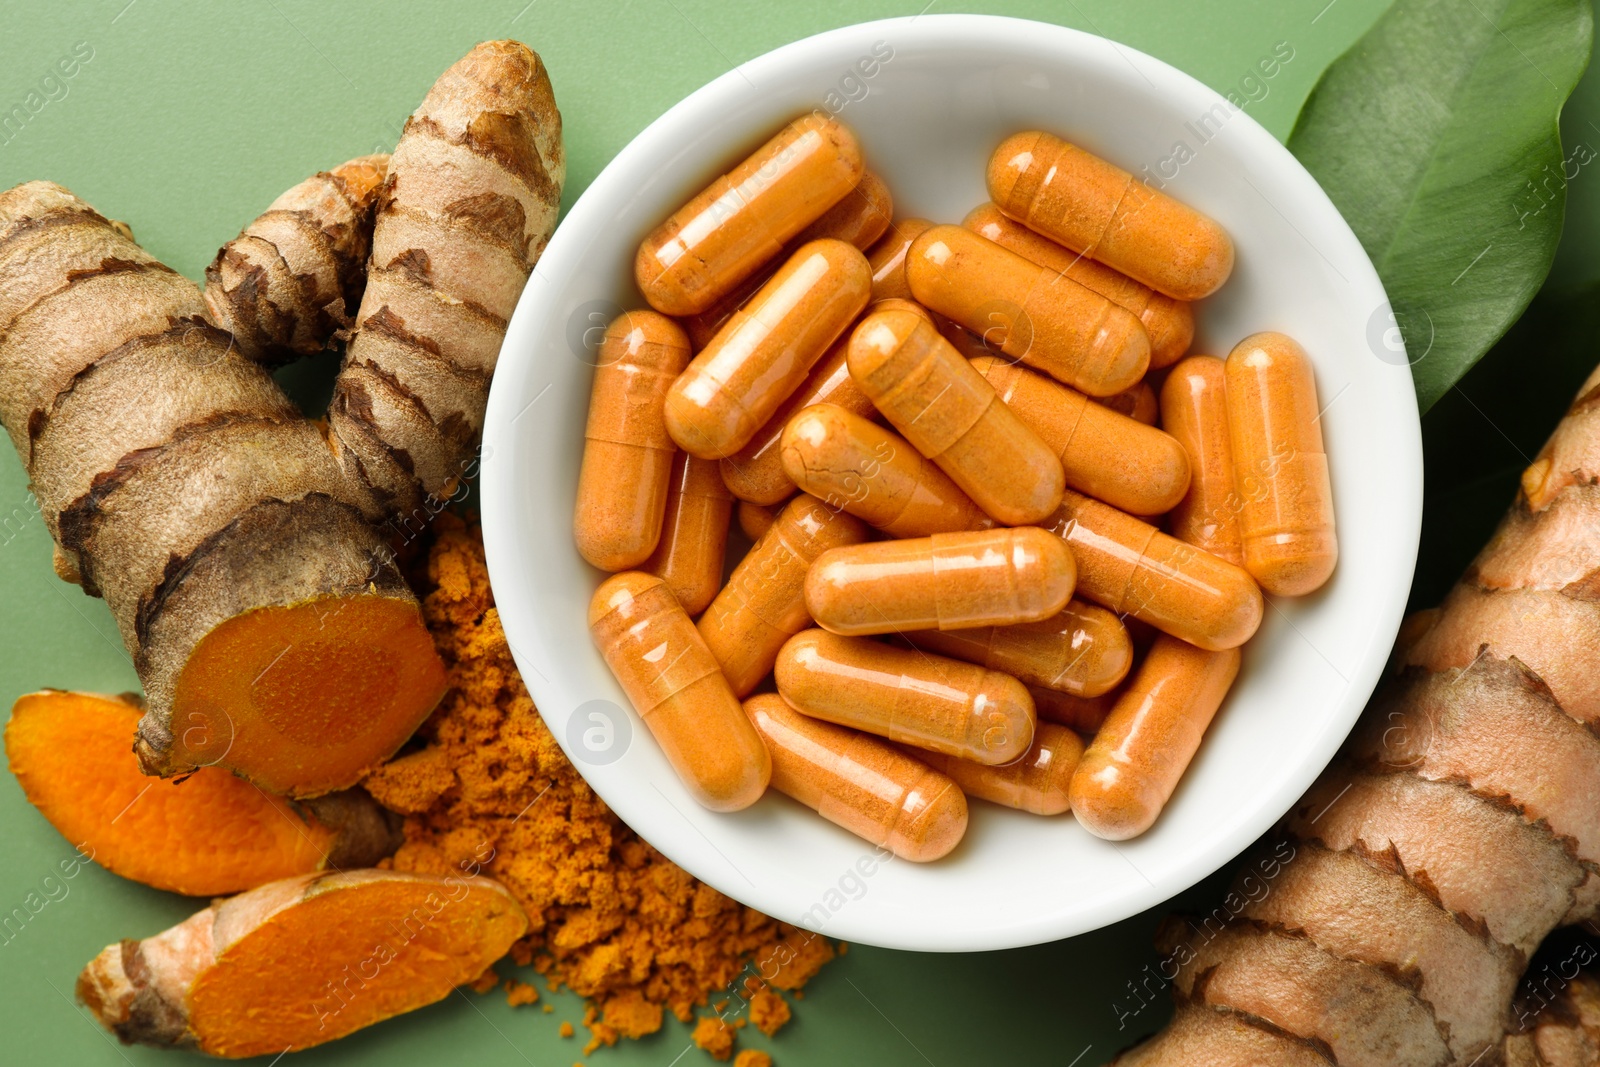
point(189, 118)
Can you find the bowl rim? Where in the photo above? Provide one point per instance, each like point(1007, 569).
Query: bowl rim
point(535, 315)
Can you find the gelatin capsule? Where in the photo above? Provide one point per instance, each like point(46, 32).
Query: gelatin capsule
point(1138, 403)
point(887, 259)
point(1079, 200)
point(1036, 783)
point(1029, 312)
point(969, 344)
point(930, 702)
point(694, 536)
point(1167, 322)
point(1130, 769)
point(843, 459)
point(1279, 468)
point(1083, 650)
point(673, 682)
point(755, 520)
point(1083, 715)
point(948, 581)
point(946, 410)
point(1134, 569)
point(731, 389)
point(1194, 409)
point(744, 218)
point(859, 219)
point(1127, 464)
point(764, 602)
point(860, 783)
point(755, 472)
point(863, 216)
point(627, 453)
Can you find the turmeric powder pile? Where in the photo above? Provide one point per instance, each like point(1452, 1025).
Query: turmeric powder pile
point(610, 917)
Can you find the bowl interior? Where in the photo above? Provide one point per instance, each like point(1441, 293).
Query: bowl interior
point(930, 98)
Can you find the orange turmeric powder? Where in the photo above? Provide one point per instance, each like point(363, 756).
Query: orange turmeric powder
point(768, 1011)
point(714, 1037)
point(610, 917)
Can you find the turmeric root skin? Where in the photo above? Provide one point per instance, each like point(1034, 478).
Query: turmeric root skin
point(1457, 830)
point(470, 200)
point(301, 961)
point(181, 484)
point(211, 834)
point(291, 279)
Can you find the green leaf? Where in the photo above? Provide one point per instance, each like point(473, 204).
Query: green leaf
point(1436, 136)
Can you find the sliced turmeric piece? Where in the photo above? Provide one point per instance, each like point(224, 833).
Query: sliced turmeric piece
point(301, 961)
point(305, 695)
point(181, 485)
point(210, 834)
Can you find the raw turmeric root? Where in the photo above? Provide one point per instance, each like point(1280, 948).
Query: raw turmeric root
point(271, 630)
point(1563, 1031)
point(301, 961)
point(211, 834)
point(286, 284)
point(1406, 891)
point(468, 205)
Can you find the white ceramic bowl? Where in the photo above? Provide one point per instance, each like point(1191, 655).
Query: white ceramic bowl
point(951, 87)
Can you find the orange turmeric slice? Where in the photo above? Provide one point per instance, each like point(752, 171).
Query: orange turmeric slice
point(302, 961)
point(303, 698)
point(211, 833)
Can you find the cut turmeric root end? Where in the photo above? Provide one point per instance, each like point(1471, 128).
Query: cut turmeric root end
point(301, 699)
point(301, 961)
point(210, 834)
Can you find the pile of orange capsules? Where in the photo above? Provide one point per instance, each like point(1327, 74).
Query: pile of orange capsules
point(980, 539)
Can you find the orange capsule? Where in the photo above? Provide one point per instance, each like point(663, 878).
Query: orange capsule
point(754, 520)
point(1079, 200)
point(947, 582)
point(731, 389)
point(969, 344)
point(674, 683)
point(930, 702)
point(1083, 650)
point(1134, 569)
point(1125, 463)
point(1138, 403)
point(951, 415)
point(743, 219)
point(764, 602)
point(694, 536)
point(1194, 409)
point(627, 454)
point(859, 219)
point(1037, 783)
point(887, 259)
point(1134, 762)
point(1279, 468)
point(1029, 312)
point(755, 472)
point(1167, 322)
point(1083, 715)
point(860, 783)
point(841, 458)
